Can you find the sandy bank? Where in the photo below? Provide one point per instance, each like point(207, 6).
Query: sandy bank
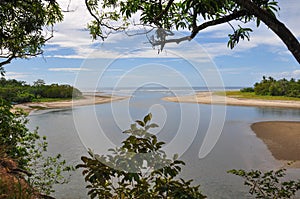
point(86, 100)
point(210, 98)
point(281, 137)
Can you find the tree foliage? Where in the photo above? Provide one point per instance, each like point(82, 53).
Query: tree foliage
point(25, 26)
point(163, 17)
point(139, 168)
point(273, 87)
point(268, 184)
point(28, 149)
point(19, 92)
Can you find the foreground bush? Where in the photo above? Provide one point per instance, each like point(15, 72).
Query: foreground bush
point(25, 171)
point(137, 169)
point(269, 184)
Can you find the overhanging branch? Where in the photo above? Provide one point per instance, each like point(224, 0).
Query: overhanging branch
point(161, 14)
point(225, 19)
point(197, 29)
point(275, 25)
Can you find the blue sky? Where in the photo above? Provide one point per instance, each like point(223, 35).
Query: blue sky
point(72, 57)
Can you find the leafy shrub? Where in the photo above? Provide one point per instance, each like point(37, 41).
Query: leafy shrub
point(247, 90)
point(137, 169)
point(19, 92)
point(281, 87)
point(268, 184)
point(27, 150)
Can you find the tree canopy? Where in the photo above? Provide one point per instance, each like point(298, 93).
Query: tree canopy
point(163, 17)
point(282, 87)
point(16, 91)
point(25, 26)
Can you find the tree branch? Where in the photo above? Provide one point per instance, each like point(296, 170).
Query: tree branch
point(197, 29)
point(158, 17)
point(225, 19)
point(177, 40)
point(275, 25)
point(7, 61)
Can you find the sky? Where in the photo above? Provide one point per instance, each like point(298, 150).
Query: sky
point(72, 57)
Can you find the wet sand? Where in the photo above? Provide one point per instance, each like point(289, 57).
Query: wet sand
point(211, 98)
point(86, 100)
point(281, 137)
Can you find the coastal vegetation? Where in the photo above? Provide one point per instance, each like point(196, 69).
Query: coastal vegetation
point(19, 92)
point(26, 26)
point(25, 169)
point(269, 89)
point(252, 95)
point(268, 184)
point(273, 87)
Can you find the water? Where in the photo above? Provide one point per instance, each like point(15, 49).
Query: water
point(183, 126)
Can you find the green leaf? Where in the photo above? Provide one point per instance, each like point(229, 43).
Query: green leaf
point(147, 118)
point(141, 123)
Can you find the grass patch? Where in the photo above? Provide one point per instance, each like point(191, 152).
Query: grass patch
point(55, 99)
point(252, 95)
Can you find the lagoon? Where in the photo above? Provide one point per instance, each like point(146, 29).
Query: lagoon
point(183, 126)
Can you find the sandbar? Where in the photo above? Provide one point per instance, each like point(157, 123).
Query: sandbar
point(211, 98)
point(281, 137)
point(85, 100)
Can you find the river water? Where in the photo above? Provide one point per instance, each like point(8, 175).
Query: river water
point(183, 126)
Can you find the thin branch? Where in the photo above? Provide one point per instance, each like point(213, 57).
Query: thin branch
point(15, 55)
point(231, 26)
point(196, 30)
point(275, 25)
point(99, 23)
point(94, 16)
point(158, 17)
point(225, 19)
point(140, 33)
point(177, 40)
point(194, 25)
point(7, 61)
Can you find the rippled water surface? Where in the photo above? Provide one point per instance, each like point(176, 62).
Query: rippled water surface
point(182, 126)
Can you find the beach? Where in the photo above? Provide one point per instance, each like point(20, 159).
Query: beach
point(211, 98)
point(281, 137)
point(85, 100)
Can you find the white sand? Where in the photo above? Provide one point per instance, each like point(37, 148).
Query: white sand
point(86, 100)
point(210, 98)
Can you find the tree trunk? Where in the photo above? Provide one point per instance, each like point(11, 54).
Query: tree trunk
point(275, 25)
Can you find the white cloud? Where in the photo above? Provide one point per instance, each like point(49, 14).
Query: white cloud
point(68, 69)
point(71, 34)
point(292, 74)
point(15, 75)
point(285, 74)
point(234, 71)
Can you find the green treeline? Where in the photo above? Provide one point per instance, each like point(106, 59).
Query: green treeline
point(19, 92)
point(272, 87)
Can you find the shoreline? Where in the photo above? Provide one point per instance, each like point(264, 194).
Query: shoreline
point(211, 98)
point(87, 99)
point(282, 138)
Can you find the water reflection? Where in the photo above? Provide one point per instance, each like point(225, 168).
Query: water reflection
point(238, 147)
point(286, 112)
